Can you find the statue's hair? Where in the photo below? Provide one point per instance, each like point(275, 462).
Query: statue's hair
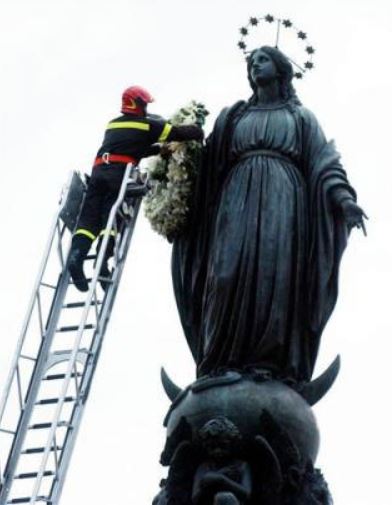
point(285, 74)
point(220, 427)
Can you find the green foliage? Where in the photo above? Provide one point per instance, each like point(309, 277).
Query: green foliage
point(167, 205)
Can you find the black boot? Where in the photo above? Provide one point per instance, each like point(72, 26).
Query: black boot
point(79, 250)
point(105, 271)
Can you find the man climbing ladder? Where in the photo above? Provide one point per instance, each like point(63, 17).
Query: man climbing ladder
point(128, 138)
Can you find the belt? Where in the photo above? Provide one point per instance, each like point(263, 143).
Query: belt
point(265, 152)
point(108, 158)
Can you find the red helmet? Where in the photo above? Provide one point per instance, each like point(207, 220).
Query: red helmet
point(135, 99)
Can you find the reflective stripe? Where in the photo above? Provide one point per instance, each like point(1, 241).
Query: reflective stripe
point(87, 233)
point(129, 124)
point(165, 132)
point(131, 105)
point(108, 232)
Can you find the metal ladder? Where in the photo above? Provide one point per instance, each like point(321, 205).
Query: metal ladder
point(58, 349)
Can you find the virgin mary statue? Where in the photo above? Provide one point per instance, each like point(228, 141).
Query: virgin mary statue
point(256, 274)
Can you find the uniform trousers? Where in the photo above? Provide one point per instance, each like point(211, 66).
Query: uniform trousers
point(102, 192)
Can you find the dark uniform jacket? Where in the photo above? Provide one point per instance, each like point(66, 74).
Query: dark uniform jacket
point(131, 135)
point(135, 136)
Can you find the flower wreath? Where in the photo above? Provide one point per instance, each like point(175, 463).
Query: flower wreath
point(173, 176)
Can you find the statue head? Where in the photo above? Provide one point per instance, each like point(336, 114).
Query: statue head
point(267, 64)
point(220, 438)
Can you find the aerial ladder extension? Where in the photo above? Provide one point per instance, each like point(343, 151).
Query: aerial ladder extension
point(58, 349)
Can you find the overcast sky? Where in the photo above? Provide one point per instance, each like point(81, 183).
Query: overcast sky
point(64, 64)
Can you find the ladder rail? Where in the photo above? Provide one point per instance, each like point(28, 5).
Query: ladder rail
point(26, 322)
point(43, 356)
point(79, 334)
point(14, 369)
point(87, 379)
point(34, 387)
point(34, 307)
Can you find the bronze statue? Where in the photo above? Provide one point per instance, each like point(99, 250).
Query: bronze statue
point(240, 439)
point(256, 273)
point(255, 276)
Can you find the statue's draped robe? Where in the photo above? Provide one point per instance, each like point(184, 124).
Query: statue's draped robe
point(255, 275)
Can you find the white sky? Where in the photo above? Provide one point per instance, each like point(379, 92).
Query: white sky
point(64, 65)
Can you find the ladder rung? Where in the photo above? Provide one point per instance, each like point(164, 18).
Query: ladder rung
point(75, 305)
point(70, 351)
point(31, 475)
point(46, 285)
point(44, 426)
point(74, 328)
point(24, 356)
point(37, 450)
point(28, 498)
point(58, 376)
point(48, 401)
point(87, 279)
point(10, 432)
point(105, 279)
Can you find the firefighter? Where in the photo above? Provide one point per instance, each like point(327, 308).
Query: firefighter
point(128, 138)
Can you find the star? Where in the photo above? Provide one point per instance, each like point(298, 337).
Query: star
point(298, 75)
point(241, 44)
point(287, 23)
point(254, 21)
point(269, 18)
point(244, 31)
point(309, 64)
point(301, 35)
point(310, 50)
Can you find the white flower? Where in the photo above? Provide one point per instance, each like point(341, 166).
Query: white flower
point(167, 205)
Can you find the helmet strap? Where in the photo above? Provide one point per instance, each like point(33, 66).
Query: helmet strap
point(137, 107)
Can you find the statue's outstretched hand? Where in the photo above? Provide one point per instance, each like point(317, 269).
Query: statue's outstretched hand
point(353, 215)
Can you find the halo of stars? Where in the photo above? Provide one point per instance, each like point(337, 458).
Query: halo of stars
point(282, 24)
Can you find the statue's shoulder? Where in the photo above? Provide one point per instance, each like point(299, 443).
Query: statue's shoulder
point(227, 113)
point(236, 107)
point(305, 114)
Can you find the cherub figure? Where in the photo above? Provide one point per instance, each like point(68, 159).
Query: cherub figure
point(222, 478)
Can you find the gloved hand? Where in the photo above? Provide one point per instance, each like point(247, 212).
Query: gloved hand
point(194, 132)
point(166, 151)
point(153, 150)
point(186, 132)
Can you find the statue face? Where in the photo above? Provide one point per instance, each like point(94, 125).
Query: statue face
point(218, 447)
point(262, 69)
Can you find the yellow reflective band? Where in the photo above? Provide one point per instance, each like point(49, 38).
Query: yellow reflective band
point(129, 124)
point(165, 132)
point(87, 233)
point(108, 232)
